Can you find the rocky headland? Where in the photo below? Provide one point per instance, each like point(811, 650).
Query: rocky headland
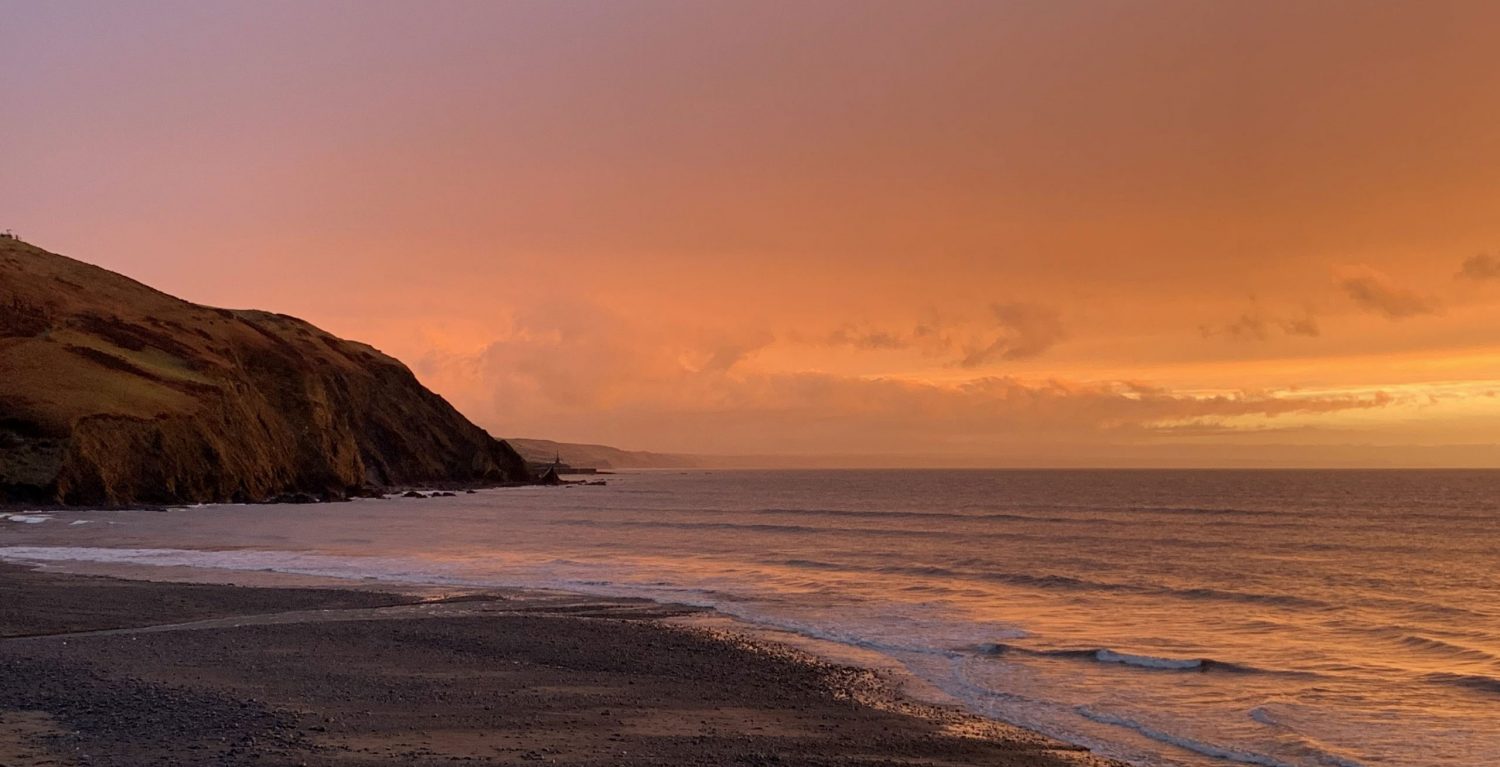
point(113, 393)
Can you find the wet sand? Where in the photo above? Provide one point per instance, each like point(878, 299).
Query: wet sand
point(104, 671)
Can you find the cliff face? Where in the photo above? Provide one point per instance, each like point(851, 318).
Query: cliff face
point(114, 393)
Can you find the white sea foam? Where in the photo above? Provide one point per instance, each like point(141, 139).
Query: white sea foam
point(295, 563)
point(30, 519)
point(1147, 661)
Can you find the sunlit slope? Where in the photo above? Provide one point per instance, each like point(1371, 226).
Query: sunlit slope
point(112, 392)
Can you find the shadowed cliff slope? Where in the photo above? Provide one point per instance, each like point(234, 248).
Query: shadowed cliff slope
point(114, 393)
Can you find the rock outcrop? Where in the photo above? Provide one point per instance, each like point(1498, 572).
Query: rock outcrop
point(114, 393)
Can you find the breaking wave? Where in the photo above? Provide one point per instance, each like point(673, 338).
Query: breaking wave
point(1107, 655)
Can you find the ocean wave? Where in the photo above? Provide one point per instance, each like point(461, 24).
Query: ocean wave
point(1448, 649)
point(1095, 531)
point(1285, 600)
point(1477, 682)
point(1151, 661)
point(854, 513)
point(1107, 655)
point(1206, 511)
point(939, 571)
point(1011, 516)
point(1211, 511)
point(1323, 753)
point(756, 527)
point(812, 564)
point(1191, 744)
point(979, 513)
point(1055, 581)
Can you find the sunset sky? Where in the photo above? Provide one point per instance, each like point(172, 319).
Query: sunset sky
point(989, 233)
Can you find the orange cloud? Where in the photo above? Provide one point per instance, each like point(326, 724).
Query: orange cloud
point(578, 367)
point(1374, 292)
point(1257, 326)
point(875, 339)
point(1025, 331)
point(1480, 267)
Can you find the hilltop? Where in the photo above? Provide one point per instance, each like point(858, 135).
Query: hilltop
point(112, 392)
point(599, 456)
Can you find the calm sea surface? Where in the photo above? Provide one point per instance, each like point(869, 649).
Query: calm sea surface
point(1195, 618)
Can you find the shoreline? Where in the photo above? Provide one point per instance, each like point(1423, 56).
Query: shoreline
point(288, 498)
point(338, 673)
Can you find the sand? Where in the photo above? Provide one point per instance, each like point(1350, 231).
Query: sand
point(104, 671)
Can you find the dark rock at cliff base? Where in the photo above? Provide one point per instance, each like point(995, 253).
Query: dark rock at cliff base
point(295, 498)
point(112, 393)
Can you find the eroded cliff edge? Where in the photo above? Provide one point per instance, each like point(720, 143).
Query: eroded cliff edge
point(113, 393)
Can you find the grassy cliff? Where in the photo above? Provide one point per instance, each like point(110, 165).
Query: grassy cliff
point(114, 393)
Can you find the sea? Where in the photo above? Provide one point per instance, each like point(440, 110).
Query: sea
point(1165, 618)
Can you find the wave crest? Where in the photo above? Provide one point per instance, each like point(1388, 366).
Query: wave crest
point(1136, 660)
point(1191, 744)
point(1478, 682)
